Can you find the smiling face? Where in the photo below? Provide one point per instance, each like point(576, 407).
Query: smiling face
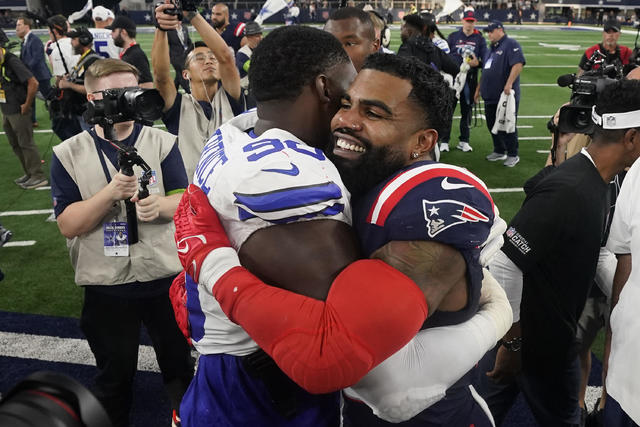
point(375, 130)
point(357, 39)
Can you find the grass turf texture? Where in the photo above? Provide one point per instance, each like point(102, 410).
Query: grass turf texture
point(39, 278)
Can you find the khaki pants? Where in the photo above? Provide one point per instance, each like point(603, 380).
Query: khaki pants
point(19, 131)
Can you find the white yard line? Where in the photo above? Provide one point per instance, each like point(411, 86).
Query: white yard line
point(534, 138)
point(65, 350)
point(506, 190)
point(19, 243)
point(22, 213)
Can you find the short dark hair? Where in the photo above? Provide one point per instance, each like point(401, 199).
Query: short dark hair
point(414, 21)
point(58, 23)
point(199, 43)
point(619, 97)
point(189, 56)
point(355, 13)
point(289, 58)
point(429, 90)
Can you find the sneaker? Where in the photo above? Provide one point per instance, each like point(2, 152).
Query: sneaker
point(5, 235)
point(494, 157)
point(21, 180)
point(444, 146)
point(511, 161)
point(464, 146)
point(34, 183)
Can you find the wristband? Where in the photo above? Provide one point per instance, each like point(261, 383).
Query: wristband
point(514, 344)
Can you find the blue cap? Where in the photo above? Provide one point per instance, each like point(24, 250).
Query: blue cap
point(494, 25)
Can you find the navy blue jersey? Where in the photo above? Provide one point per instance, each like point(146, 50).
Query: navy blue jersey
point(431, 201)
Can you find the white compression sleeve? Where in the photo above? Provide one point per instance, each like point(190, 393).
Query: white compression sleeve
point(510, 278)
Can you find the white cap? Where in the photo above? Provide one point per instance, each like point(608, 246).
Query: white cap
point(101, 13)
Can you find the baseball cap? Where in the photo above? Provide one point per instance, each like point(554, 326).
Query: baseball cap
point(122, 21)
point(81, 32)
point(493, 25)
point(101, 13)
point(612, 25)
point(251, 28)
point(469, 16)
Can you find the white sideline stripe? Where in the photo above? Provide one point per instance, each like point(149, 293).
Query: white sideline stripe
point(539, 85)
point(552, 66)
point(506, 190)
point(20, 243)
point(65, 350)
point(543, 151)
point(46, 187)
point(22, 213)
point(524, 126)
point(534, 138)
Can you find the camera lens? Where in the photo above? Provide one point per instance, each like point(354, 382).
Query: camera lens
point(582, 119)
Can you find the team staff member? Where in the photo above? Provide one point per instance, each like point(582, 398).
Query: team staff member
point(125, 286)
point(231, 32)
point(18, 90)
point(503, 63)
point(253, 34)
point(611, 52)
point(216, 95)
point(467, 44)
point(551, 248)
point(123, 31)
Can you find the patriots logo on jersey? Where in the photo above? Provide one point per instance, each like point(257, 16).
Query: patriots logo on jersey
point(443, 214)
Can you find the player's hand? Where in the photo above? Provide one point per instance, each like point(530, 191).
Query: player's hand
point(122, 186)
point(148, 208)
point(508, 365)
point(495, 239)
point(198, 230)
point(178, 297)
point(473, 61)
point(164, 20)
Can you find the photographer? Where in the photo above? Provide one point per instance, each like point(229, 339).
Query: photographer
point(75, 97)
point(216, 95)
point(610, 52)
point(124, 285)
point(550, 256)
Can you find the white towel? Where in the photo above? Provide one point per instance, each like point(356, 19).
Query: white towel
point(505, 114)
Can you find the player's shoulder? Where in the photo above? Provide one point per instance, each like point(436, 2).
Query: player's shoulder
point(429, 181)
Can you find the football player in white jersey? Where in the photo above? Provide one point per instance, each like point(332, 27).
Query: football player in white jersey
point(288, 212)
point(102, 41)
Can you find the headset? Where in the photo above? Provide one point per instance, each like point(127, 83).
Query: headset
point(385, 34)
point(85, 38)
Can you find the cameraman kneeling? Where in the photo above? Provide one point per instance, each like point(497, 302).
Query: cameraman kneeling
point(210, 69)
point(124, 285)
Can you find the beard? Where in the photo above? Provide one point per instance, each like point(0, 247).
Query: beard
point(371, 168)
point(78, 50)
point(217, 24)
point(118, 41)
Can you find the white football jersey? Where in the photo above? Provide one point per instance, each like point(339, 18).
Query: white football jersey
point(59, 50)
point(255, 182)
point(103, 43)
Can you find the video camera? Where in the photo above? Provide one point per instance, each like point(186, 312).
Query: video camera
point(123, 105)
point(576, 117)
point(180, 5)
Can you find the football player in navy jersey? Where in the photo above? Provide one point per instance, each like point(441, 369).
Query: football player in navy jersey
point(385, 134)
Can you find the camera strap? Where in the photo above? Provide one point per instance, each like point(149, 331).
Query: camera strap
point(101, 155)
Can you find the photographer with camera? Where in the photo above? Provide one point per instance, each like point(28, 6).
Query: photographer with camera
point(210, 68)
point(73, 83)
point(18, 89)
point(549, 262)
point(124, 285)
point(609, 51)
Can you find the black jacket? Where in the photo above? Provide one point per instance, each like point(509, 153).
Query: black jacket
point(423, 48)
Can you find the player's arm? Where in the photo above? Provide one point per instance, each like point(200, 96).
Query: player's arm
point(160, 61)
point(226, 60)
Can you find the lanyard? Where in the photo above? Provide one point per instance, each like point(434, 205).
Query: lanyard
point(124, 50)
point(101, 155)
point(3, 67)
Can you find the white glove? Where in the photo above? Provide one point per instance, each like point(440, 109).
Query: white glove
point(495, 240)
point(418, 375)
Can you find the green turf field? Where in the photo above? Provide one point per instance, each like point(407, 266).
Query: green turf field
point(39, 278)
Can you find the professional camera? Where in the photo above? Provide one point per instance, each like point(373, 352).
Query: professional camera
point(180, 5)
point(576, 117)
point(122, 105)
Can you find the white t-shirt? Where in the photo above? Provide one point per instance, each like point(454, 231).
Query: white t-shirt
point(623, 381)
point(103, 43)
point(67, 51)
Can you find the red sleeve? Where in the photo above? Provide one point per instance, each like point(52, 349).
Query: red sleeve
point(372, 311)
point(625, 54)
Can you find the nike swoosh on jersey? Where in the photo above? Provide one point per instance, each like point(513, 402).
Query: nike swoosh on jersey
point(186, 246)
point(293, 171)
point(446, 185)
